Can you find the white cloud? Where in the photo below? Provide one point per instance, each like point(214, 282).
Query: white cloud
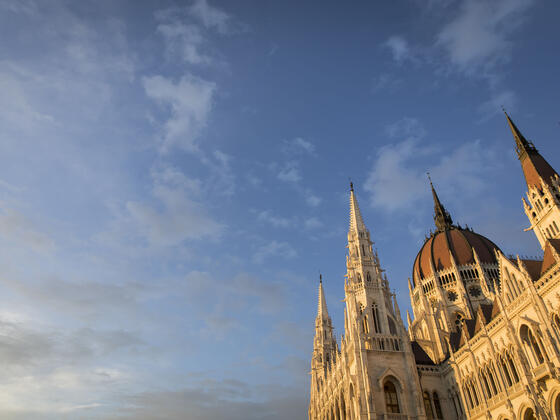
point(189, 102)
point(298, 145)
point(312, 199)
point(276, 221)
point(274, 249)
point(385, 81)
point(289, 172)
point(405, 127)
point(172, 216)
point(184, 40)
point(211, 17)
point(478, 36)
point(397, 180)
point(399, 48)
point(313, 223)
point(17, 229)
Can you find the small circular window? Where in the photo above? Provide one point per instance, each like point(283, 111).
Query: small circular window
point(475, 291)
point(452, 296)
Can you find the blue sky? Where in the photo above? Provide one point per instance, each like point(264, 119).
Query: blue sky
point(175, 174)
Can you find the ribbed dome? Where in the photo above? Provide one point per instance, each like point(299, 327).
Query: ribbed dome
point(456, 241)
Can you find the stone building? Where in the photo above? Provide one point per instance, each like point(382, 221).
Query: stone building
point(484, 340)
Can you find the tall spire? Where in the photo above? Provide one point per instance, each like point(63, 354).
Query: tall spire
point(322, 312)
point(522, 146)
point(535, 167)
point(442, 218)
point(356, 221)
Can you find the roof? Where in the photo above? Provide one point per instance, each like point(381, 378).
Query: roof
point(420, 355)
point(551, 248)
point(484, 315)
point(535, 167)
point(533, 267)
point(456, 241)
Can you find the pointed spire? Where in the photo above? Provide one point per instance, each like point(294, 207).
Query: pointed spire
point(322, 312)
point(442, 218)
point(356, 221)
point(535, 168)
point(522, 146)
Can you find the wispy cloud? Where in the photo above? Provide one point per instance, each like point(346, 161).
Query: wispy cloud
point(399, 48)
point(478, 37)
point(274, 249)
point(189, 102)
point(398, 180)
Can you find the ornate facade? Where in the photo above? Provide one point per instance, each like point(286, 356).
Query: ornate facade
point(484, 340)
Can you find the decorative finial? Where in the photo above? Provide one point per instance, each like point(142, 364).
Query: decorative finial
point(320, 278)
point(429, 178)
point(351, 184)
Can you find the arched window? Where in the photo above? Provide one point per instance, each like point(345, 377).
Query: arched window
point(437, 406)
point(512, 369)
point(505, 369)
point(363, 250)
point(375, 313)
point(532, 343)
point(365, 324)
point(529, 414)
point(391, 397)
point(428, 406)
point(557, 408)
point(392, 328)
point(368, 277)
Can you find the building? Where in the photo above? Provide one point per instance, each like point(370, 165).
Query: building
point(484, 340)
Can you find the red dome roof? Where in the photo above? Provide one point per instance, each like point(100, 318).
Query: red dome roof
point(460, 243)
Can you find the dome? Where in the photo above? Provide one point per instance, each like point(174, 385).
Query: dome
point(438, 248)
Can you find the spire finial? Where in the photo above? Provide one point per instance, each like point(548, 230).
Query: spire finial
point(442, 218)
point(351, 184)
point(322, 311)
point(356, 221)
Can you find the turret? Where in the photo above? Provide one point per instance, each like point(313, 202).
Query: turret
point(543, 188)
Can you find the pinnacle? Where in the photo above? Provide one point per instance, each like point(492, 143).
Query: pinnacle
point(322, 311)
point(356, 220)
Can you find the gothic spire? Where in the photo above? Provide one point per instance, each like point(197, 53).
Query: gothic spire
point(522, 146)
point(535, 167)
point(442, 218)
point(356, 221)
point(322, 312)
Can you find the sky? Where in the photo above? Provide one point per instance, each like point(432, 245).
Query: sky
point(175, 175)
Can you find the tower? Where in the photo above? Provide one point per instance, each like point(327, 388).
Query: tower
point(324, 343)
point(368, 296)
point(543, 188)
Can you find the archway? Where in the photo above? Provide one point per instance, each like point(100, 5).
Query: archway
point(557, 407)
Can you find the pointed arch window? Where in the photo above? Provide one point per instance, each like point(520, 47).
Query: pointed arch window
point(391, 398)
point(375, 314)
point(513, 369)
point(368, 277)
point(428, 406)
point(437, 406)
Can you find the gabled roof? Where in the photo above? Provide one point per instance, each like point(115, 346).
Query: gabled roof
point(454, 340)
point(495, 309)
point(552, 247)
point(420, 355)
point(533, 267)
